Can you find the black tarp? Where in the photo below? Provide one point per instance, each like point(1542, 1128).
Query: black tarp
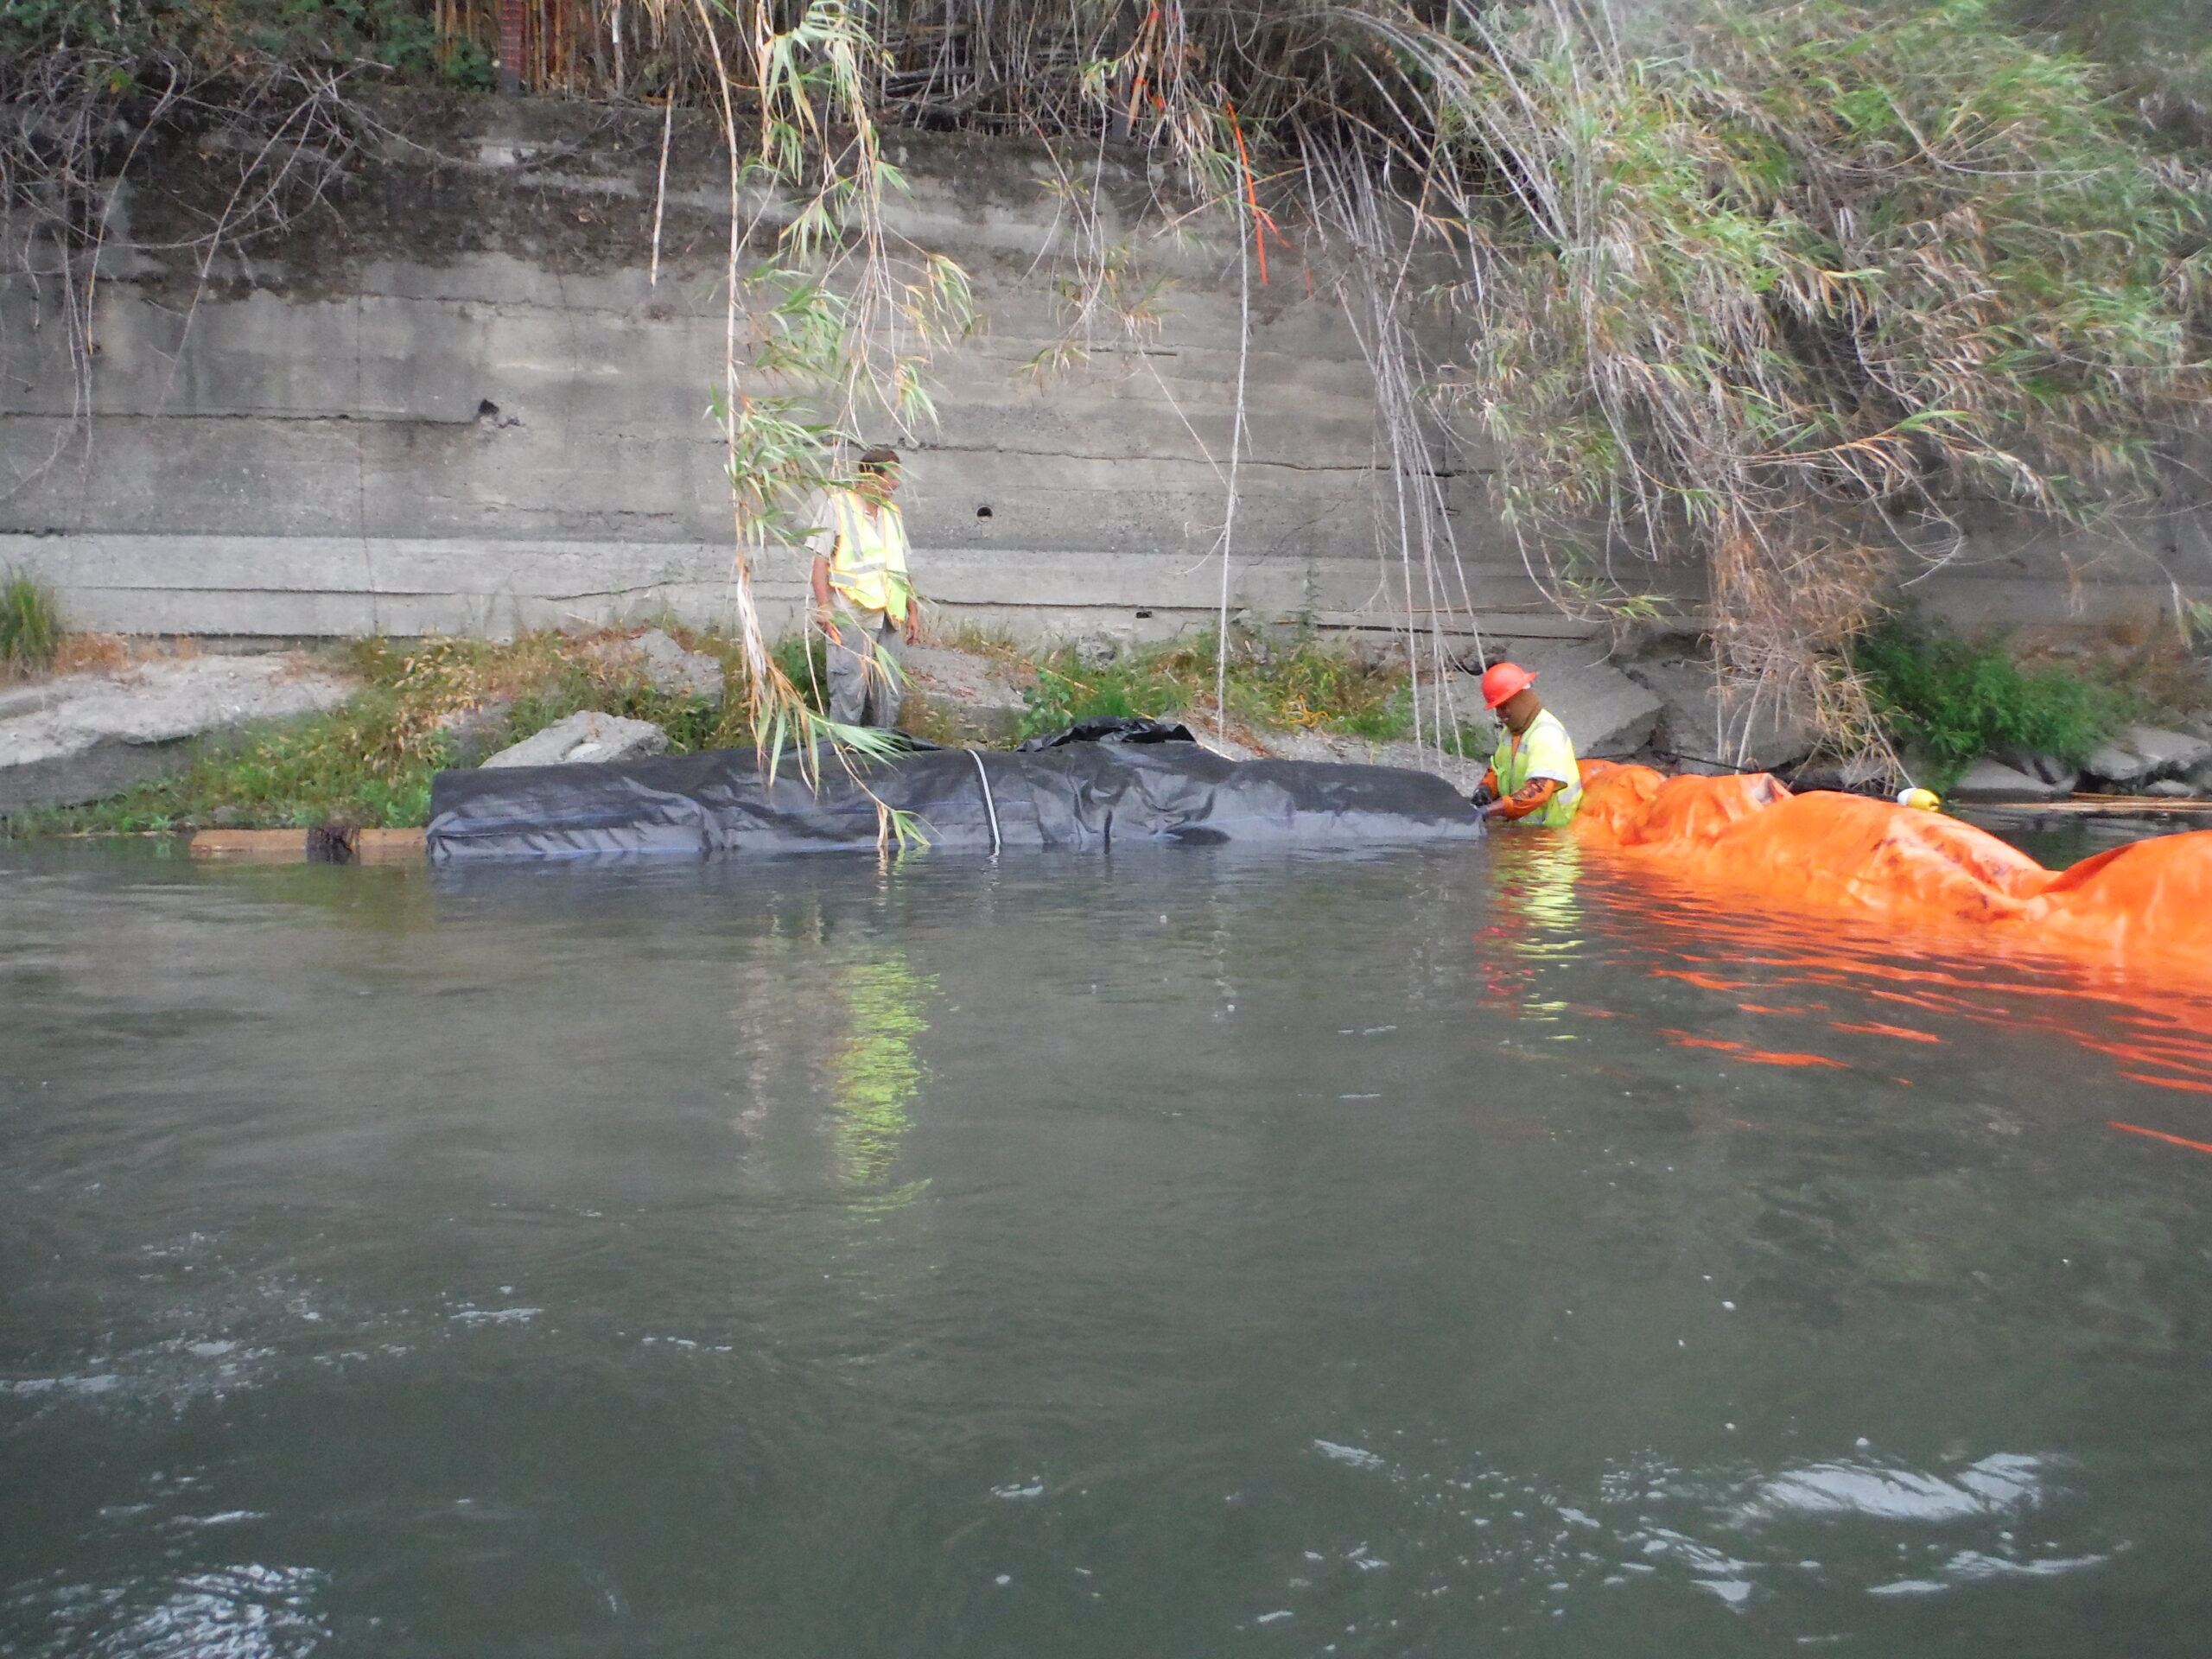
point(1110, 728)
point(1081, 795)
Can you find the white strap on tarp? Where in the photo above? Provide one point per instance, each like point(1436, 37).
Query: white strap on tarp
point(989, 805)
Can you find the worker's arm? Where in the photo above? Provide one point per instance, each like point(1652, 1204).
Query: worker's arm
point(1486, 791)
point(1532, 797)
point(820, 583)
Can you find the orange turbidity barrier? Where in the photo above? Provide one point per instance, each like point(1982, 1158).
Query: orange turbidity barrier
point(2148, 902)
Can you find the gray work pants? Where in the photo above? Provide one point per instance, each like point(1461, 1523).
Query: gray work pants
point(866, 683)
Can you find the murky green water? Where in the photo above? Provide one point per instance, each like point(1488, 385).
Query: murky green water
point(1168, 1254)
point(2058, 841)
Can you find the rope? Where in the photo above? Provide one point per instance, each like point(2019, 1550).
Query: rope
point(989, 805)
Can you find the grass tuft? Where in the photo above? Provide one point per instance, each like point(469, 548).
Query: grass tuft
point(30, 625)
point(1301, 686)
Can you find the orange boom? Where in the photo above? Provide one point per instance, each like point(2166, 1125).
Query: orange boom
point(2147, 905)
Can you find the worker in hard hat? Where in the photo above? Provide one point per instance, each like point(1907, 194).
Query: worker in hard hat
point(863, 601)
point(1533, 777)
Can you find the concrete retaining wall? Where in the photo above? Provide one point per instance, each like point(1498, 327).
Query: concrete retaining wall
point(440, 409)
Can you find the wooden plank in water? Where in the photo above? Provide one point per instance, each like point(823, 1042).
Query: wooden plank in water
point(254, 846)
point(388, 846)
point(300, 846)
point(2100, 806)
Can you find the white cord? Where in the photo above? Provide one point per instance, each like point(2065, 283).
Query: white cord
point(989, 805)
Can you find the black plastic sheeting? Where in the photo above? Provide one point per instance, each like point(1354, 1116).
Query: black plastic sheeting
point(1110, 728)
point(1084, 794)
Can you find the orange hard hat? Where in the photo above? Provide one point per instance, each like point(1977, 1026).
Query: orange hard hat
point(1503, 680)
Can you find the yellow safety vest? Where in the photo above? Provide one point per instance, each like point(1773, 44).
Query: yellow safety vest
point(1543, 751)
point(867, 560)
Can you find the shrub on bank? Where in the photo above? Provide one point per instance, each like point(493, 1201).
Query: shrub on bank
point(1956, 700)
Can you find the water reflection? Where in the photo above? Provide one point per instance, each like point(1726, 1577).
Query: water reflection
point(1158, 1253)
point(877, 1073)
point(2161, 1032)
point(1536, 921)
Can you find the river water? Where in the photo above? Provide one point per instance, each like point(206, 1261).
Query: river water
point(1161, 1254)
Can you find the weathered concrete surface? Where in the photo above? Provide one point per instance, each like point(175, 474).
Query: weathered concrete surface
point(87, 736)
point(968, 690)
point(420, 425)
point(1609, 716)
point(1701, 731)
point(2116, 763)
point(584, 738)
point(1993, 780)
point(666, 666)
point(472, 411)
point(1857, 776)
point(317, 587)
point(2168, 755)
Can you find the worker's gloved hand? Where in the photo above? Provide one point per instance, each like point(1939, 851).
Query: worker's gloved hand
point(1532, 797)
point(1484, 799)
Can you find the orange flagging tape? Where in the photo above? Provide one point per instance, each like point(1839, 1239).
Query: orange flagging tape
point(2157, 1134)
point(2148, 902)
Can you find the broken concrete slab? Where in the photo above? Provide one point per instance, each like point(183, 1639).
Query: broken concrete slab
point(583, 740)
point(2169, 753)
point(1704, 731)
point(1993, 780)
point(2114, 763)
point(1860, 775)
point(85, 737)
point(667, 666)
point(970, 690)
point(1608, 715)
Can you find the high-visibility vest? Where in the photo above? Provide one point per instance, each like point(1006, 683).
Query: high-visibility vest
point(868, 561)
point(1543, 751)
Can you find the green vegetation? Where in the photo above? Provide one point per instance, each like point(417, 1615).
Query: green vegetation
point(399, 36)
point(1304, 685)
point(434, 703)
point(2159, 53)
point(370, 761)
point(30, 625)
point(1956, 700)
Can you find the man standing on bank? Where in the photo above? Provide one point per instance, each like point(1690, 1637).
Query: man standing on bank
point(862, 599)
point(1532, 778)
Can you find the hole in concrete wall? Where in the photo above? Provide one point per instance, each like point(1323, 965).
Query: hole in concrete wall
point(983, 512)
point(487, 411)
point(1144, 613)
